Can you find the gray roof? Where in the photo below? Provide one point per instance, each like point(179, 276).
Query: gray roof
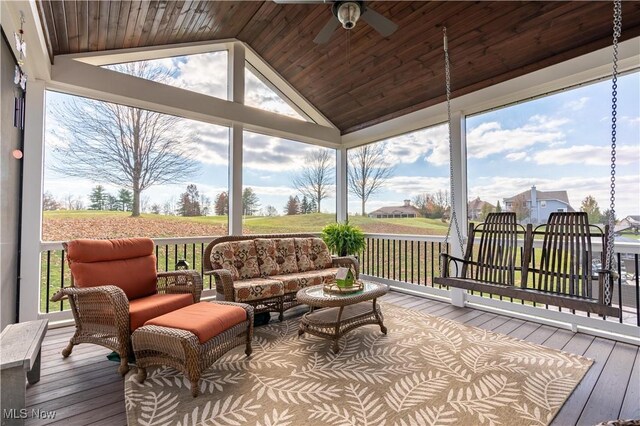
point(477, 204)
point(396, 210)
point(542, 195)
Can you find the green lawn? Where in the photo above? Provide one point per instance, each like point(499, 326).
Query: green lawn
point(63, 225)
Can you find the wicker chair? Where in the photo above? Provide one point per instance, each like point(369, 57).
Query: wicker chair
point(116, 289)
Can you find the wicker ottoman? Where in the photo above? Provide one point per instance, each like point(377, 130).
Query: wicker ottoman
point(192, 338)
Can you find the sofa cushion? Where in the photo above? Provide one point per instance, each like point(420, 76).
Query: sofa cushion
point(303, 254)
point(128, 263)
point(276, 256)
point(286, 256)
point(205, 320)
point(320, 254)
point(145, 308)
point(256, 289)
point(266, 249)
point(238, 257)
point(294, 282)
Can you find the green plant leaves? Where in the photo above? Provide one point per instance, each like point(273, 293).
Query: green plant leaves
point(343, 239)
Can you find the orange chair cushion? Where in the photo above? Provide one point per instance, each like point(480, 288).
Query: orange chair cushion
point(205, 319)
point(143, 309)
point(126, 263)
point(85, 251)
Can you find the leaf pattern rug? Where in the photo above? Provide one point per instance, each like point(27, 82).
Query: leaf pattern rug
point(426, 371)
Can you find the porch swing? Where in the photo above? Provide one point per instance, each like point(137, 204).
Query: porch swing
point(565, 275)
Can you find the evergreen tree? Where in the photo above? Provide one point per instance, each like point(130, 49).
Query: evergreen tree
point(111, 203)
point(590, 206)
point(125, 200)
point(221, 204)
point(189, 202)
point(98, 198)
point(313, 207)
point(498, 207)
point(293, 206)
point(605, 217)
point(155, 208)
point(250, 202)
point(304, 206)
point(484, 212)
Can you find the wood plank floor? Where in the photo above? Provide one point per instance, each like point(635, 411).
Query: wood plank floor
point(85, 389)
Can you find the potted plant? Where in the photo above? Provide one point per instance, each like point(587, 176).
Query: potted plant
point(343, 239)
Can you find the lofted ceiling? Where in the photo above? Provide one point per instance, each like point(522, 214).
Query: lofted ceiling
point(359, 78)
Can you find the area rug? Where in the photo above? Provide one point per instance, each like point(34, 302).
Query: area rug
point(425, 371)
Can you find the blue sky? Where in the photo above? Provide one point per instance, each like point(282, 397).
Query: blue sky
point(558, 142)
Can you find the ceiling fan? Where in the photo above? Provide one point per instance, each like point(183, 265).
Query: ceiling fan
point(348, 13)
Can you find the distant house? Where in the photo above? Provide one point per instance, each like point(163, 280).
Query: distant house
point(407, 210)
point(630, 223)
point(474, 208)
point(541, 203)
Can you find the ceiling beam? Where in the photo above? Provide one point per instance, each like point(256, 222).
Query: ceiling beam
point(82, 79)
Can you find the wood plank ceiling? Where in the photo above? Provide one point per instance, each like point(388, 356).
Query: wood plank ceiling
point(359, 78)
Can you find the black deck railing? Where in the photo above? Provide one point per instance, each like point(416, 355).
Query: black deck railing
point(412, 259)
point(405, 258)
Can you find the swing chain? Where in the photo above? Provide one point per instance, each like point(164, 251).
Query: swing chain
point(453, 220)
point(610, 263)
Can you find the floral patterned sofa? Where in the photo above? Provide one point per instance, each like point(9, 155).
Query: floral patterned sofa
point(266, 271)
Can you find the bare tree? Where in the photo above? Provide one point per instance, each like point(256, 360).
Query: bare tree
point(48, 202)
point(71, 202)
point(368, 171)
point(125, 146)
point(317, 176)
point(520, 206)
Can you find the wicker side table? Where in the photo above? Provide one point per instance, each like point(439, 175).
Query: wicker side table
point(342, 312)
point(182, 350)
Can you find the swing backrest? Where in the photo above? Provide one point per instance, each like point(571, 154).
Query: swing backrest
point(565, 265)
point(495, 250)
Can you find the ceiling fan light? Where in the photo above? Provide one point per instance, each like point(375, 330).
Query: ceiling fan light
point(348, 14)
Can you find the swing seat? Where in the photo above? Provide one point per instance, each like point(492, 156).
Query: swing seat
point(560, 275)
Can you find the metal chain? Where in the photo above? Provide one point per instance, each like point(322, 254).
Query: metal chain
point(453, 220)
point(610, 263)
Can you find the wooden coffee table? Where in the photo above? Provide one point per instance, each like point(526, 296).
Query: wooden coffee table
point(342, 312)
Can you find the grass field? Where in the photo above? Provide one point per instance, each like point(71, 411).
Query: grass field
point(64, 225)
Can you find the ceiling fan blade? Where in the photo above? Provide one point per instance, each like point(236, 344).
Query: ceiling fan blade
point(327, 31)
point(379, 23)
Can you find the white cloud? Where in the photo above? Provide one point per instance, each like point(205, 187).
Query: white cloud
point(577, 104)
point(590, 155)
point(515, 156)
point(273, 154)
point(432, 144)
point(409, 186)
point(632, 121)
point(258, 94)
point(204, 73)
point(491, 138)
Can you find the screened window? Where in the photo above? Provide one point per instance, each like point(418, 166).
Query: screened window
point(557, 149)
